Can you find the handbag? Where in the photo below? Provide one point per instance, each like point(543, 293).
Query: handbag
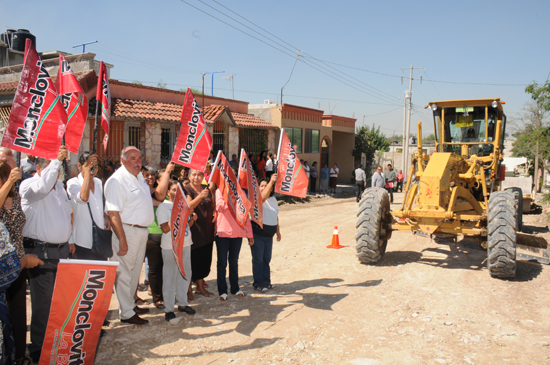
point(101, 239)
point(389, 184)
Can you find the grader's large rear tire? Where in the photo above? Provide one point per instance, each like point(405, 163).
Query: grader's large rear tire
point(502, 235)
point(371, 237)
point(518, 193)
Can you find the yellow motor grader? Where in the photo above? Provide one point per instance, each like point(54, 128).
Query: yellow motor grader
point(455, 190)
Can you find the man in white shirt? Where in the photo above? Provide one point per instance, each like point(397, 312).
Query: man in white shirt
point(360, 181)
point(84, 191)
point(130, 207)
point(46, 234)
point(378, 180)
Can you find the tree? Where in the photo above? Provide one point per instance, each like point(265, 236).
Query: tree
point(528, 133)
point(137, 82)
point(368, 140)
point(161, 85)
point(541, 95)
point(429, 139)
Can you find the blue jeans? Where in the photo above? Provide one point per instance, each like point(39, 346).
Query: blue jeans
point(261, 257)
point(228, 247)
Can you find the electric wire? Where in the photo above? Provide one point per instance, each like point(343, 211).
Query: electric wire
point(312, 65)
point(305, 54)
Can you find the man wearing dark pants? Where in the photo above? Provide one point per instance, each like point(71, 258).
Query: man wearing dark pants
point(360, 181)
point(46, 233)
point(390, 177)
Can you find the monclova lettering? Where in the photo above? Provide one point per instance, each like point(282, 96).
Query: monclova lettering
point(256, 208)
point(66, 98)
point(85, 306)
point(232, 186)
point(286, 184)
point(185, 153)
point(176, 229)
point(25, 136)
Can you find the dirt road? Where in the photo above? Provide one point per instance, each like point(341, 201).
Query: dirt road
point(425, 303)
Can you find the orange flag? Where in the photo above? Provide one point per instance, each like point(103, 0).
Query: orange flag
point(247, 178)
point(178, 224)
point(223, 176)
point(291, 177)
point(194, 141)
point(103, 96)
point(81, 299)
point(75, 103)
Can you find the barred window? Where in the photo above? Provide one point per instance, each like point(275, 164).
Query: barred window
point(311, 141)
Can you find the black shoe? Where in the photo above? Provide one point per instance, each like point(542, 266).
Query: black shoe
point(106, 323)
point(187, 309)
point(135, 319)
point(35, 357)
point(139, 310)
point(103, 333)
point(169, 316)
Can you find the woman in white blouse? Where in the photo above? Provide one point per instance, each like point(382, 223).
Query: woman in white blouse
point(263, 238)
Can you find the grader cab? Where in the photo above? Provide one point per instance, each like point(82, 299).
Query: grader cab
point(455, 191)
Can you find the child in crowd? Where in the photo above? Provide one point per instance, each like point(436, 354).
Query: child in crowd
point(174, 286)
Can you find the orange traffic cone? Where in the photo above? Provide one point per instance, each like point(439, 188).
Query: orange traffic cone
point(335, 241)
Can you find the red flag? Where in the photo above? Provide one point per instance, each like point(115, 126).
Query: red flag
point(178, 224)
point(291, 179)
point(223, 176)
point(81, 299)
point(247, 178)
point(75, 103)
point(194, 141)
point(103, 96)
point(37, 119)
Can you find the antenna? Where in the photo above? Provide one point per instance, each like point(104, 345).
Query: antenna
point(84, 45)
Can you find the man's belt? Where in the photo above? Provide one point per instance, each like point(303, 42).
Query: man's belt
point(32, 243)
point(135, 225)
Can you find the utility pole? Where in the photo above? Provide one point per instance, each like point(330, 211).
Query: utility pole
point(209, 73)
point(407, 128)
point(232, 84)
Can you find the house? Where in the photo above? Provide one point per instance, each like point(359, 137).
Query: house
point(327, 139)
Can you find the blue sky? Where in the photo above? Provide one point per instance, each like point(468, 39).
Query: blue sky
point(467, 49)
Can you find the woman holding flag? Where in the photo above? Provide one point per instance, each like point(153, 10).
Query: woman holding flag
point(263, 237)
point(228, 246)
point(202, 201)
point(174, 284)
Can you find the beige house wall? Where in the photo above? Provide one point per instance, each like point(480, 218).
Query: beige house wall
point(343, 154)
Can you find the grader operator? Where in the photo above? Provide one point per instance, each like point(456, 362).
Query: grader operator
point(456, 190)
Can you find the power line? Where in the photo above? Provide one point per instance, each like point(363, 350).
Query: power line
point(314, 66)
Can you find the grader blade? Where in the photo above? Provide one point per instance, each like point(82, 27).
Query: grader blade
point(532, 247)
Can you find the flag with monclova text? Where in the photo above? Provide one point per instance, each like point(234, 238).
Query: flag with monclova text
point(37, 120)
point(75, 103)
point(103, 96)
point(194, 141)
point(178, 224)
point(80, 302)
point(226, 181)
point(291, 177)
point(247, 179)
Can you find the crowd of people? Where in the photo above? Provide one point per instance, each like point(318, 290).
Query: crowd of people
point(42, 222)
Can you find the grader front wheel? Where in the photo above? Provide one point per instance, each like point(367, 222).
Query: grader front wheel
point(501, 231)
point(371, 236)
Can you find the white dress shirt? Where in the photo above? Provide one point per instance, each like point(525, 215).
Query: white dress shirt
point(269, 165)
point(47, 210)
point(131, 197)
point(360, 175)
point(82, 226)
point(164, 215)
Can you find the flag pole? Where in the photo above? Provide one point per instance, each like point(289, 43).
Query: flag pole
point(65, 167)
point(95, 127)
